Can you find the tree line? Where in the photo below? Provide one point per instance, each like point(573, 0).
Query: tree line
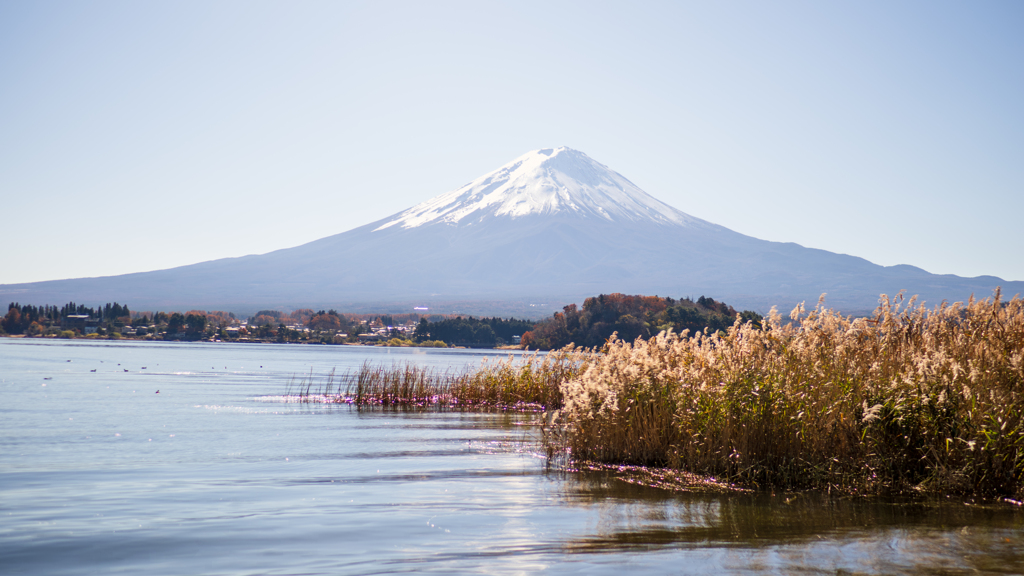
point(475, 331)
point(632, 317)
point(21, 318)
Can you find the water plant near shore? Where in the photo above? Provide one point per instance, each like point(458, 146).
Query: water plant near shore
point(910, 399)
point(531, 382)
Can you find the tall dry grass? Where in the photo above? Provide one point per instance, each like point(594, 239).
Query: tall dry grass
point(531, 382)
point(909, 399)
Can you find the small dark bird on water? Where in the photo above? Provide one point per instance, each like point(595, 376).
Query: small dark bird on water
point(157, 391)
point(93, 370)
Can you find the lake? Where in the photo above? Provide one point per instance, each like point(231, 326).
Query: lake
point(100, 474)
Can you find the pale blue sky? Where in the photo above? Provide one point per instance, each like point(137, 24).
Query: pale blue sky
point(142, 135)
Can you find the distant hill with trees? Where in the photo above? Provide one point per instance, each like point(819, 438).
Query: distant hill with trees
point(631, 317)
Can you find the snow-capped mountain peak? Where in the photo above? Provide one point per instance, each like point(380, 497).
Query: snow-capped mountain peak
point(550, 181)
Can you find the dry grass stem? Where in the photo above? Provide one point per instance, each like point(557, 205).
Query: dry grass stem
point(910, 399)
point(525, 383)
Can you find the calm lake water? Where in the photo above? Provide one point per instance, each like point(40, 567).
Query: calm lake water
point(101, 475)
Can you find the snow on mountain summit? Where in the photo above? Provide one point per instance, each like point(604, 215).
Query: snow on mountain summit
point(559, 181)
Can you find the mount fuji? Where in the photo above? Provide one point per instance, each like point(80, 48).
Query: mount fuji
point(552, 225)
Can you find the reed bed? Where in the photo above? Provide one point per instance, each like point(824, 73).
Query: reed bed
point(527, 383)
point(910, 400)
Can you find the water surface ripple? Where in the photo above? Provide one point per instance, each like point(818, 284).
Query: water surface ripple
point(99, 474)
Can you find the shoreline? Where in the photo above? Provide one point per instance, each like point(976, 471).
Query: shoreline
point(511, 347)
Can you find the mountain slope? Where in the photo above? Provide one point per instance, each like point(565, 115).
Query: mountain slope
point(552, 224)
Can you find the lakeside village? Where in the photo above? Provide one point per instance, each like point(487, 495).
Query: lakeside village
point(628, 316)
point(115, 321)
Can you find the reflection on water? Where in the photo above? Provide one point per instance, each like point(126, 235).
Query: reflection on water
point(801, 530)
point(98, 474)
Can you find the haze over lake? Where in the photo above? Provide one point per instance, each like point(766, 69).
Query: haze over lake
point(213, 475)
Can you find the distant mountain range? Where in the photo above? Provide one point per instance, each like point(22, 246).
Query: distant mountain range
point(549, 228)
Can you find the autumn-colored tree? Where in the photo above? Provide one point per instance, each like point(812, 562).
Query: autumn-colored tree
point(12, 321)
point(527, 340)
point(324, 321)
point(264, 320)
point(219, 318)
point(302, 316)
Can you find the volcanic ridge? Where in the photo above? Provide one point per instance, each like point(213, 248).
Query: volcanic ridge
point(551, 227)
